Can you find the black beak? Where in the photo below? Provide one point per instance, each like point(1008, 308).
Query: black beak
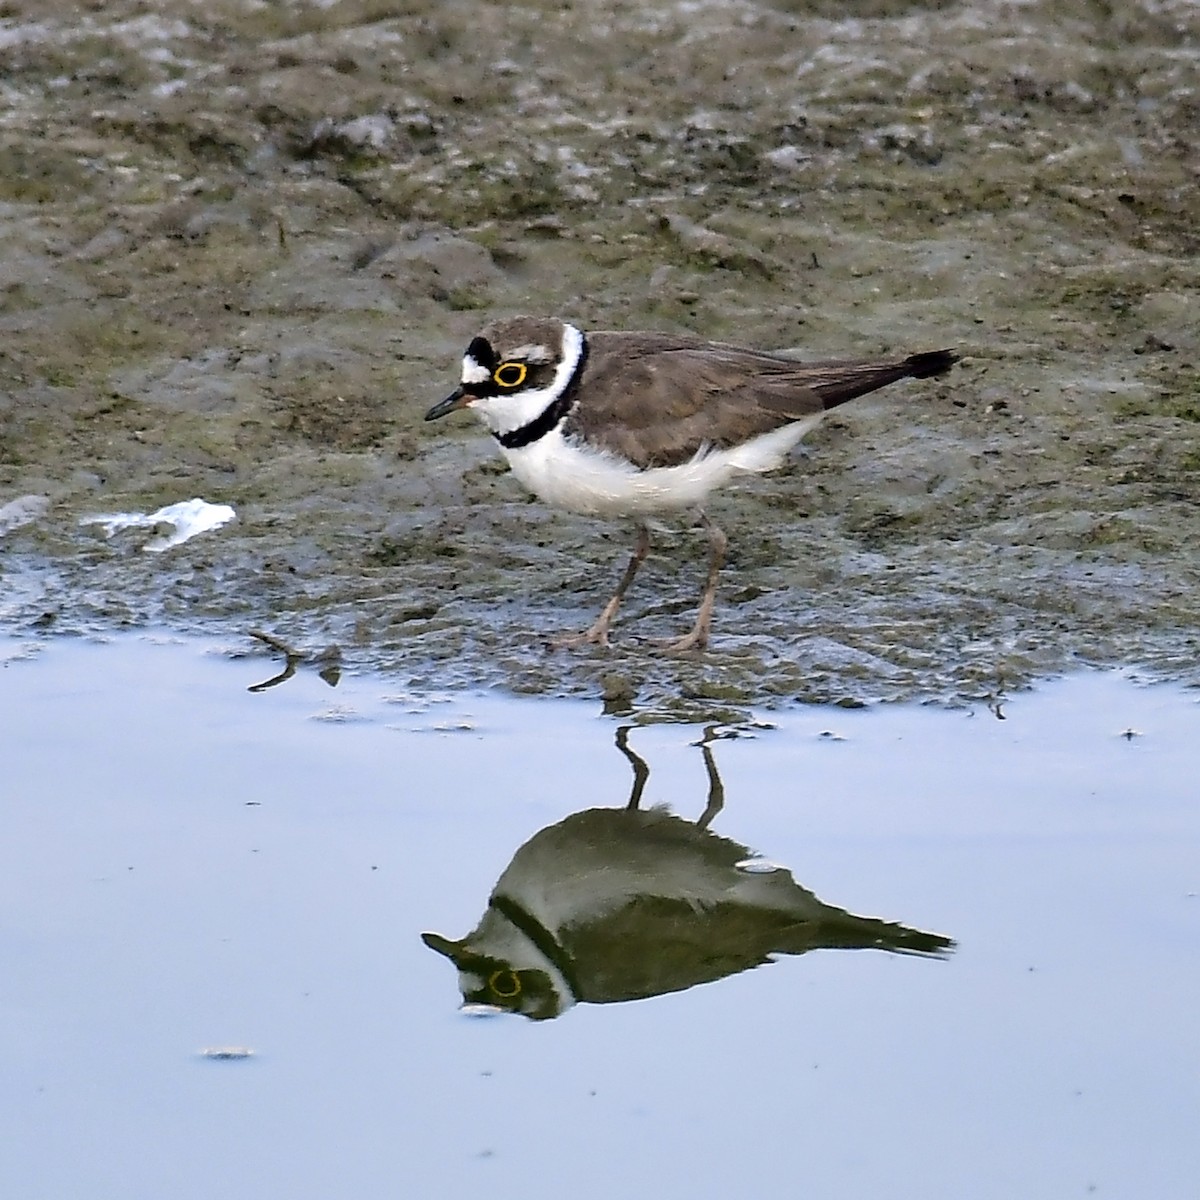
point(457, 399)
point(443, 946)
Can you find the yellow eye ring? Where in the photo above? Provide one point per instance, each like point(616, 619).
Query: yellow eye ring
point(510, 374)
point(512, 984)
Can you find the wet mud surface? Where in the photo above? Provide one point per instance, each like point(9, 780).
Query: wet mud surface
point(243, 246)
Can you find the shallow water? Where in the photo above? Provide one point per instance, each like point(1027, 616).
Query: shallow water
point(186, 865)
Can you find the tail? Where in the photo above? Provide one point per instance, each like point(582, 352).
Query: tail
point(931, 362)
point(838, 382)
point(836, 929)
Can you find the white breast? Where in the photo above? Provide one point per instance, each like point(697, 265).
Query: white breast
point(572, 475)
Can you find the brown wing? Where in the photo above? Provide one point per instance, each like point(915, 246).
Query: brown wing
point(656, 399)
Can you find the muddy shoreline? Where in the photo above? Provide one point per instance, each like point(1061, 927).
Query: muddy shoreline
point(241, 249)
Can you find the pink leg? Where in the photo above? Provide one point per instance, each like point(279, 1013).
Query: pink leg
point(697, 639)
point(598, 632)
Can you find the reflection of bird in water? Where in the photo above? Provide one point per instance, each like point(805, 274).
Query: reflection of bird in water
point(620, 904)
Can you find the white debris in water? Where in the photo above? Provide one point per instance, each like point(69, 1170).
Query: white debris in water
point(338, 714)
point(757, 866)
point(189, 517)
point(226, 1053)
point(24, 510)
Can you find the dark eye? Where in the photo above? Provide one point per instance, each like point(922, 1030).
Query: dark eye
point(505, 984)
point(510, 374)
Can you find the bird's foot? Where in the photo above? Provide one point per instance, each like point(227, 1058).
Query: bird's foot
point(595, 636)
point(697, 639)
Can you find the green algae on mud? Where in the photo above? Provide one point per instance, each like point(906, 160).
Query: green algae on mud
point(241, 252)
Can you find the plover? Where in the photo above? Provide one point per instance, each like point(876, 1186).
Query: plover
point(622, 904)
point(629, 424)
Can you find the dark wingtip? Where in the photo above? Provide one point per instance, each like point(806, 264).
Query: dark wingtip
point(932, 362)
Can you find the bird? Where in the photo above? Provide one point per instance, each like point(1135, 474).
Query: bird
point(635, 424)
point(611, 905)
point(616, 904)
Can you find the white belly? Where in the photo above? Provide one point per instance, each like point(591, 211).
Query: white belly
point(569, 475)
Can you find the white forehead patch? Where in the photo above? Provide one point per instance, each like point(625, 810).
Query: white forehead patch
point(532, 353)
point(472, 372)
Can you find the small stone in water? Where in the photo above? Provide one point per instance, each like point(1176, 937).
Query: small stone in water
point(226, 1053)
